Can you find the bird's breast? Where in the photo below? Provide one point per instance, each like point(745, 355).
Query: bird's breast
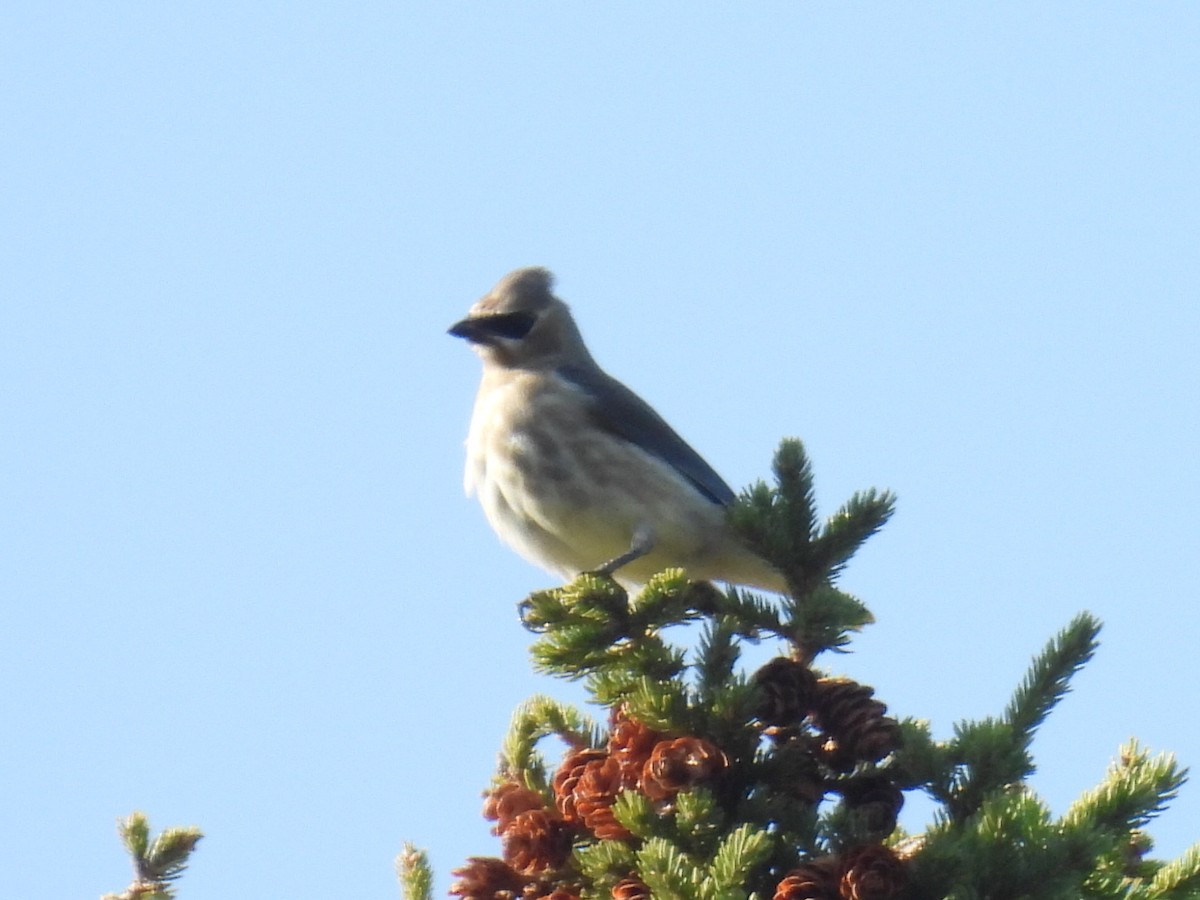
point(569, 494)
point(524, 447)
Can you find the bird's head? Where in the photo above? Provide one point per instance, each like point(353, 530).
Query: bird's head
point(520, 324)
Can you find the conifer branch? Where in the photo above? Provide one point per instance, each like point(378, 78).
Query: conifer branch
point(664, 705)
point(1136, 788)
point(1048, 679)
point(157, 863)
point(921, 761)
point(780, 522)
point(1011, 842)
point(718, 654)
point(989, 757)
point(797, 495)
point(668, 871)
point(536, 718)
point(635, 812)
point(741, 852)
point(754, 614)
point(849, 528)
point(699, 820)
point(605, 862)
point(823, 619)
point(1178, 879)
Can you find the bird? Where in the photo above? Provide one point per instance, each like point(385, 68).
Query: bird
point(574, 470)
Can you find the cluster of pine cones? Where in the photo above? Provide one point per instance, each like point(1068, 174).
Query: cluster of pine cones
point(834, 721)
point(537, 840)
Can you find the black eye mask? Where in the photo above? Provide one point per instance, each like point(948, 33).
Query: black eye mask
point(510, 326)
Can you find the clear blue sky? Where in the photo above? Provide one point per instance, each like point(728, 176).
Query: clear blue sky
point(952, 246)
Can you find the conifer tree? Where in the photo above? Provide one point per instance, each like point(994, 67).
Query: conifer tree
point(707, 782)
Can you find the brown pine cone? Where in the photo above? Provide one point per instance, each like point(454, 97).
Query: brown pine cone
point(876, 803)
point(872, 872)
point(630, 743)
point(596, 790)
point(677, 764)
point(631, 888)
point(814, 880)
point(854, 723)
point(537, 840)
point(785, 691)
point(559, 893)
point(487, 878)
point(506, 801)
point(566, 779)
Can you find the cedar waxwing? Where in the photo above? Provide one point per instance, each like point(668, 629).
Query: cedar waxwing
point(575, 471)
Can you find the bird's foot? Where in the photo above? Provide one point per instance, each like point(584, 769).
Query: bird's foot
point(642, 543)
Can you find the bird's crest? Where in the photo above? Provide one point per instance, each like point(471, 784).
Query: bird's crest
point(523, 289)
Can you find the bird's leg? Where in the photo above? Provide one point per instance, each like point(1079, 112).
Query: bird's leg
point(641, 544)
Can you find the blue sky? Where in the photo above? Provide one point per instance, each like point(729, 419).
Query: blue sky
point(952, 246)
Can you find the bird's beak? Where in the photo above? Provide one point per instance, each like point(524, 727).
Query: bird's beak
point(468, 328)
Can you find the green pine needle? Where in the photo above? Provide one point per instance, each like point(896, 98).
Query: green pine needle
point(669, 872)
point(921, 761)
point(849, 528)
point(698, 819)
point(605, 862)
point(1048, 679)
point(743, 850)
point(1179, 879)
point(824, 620)
point(662, 705)
point(990, 758)
point(135, 834)
point(1136, 788)
point(537, 718)
point(168, 854)
point(718, 655)
point(1011, 842)
point(158, 862)
point(634, 810)
point(796, 495)
point(779, 523)
point(753, 613)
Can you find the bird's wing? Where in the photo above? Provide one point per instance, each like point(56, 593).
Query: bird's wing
point(621, 412)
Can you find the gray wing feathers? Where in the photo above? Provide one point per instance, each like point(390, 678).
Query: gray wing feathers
point(623, 413)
